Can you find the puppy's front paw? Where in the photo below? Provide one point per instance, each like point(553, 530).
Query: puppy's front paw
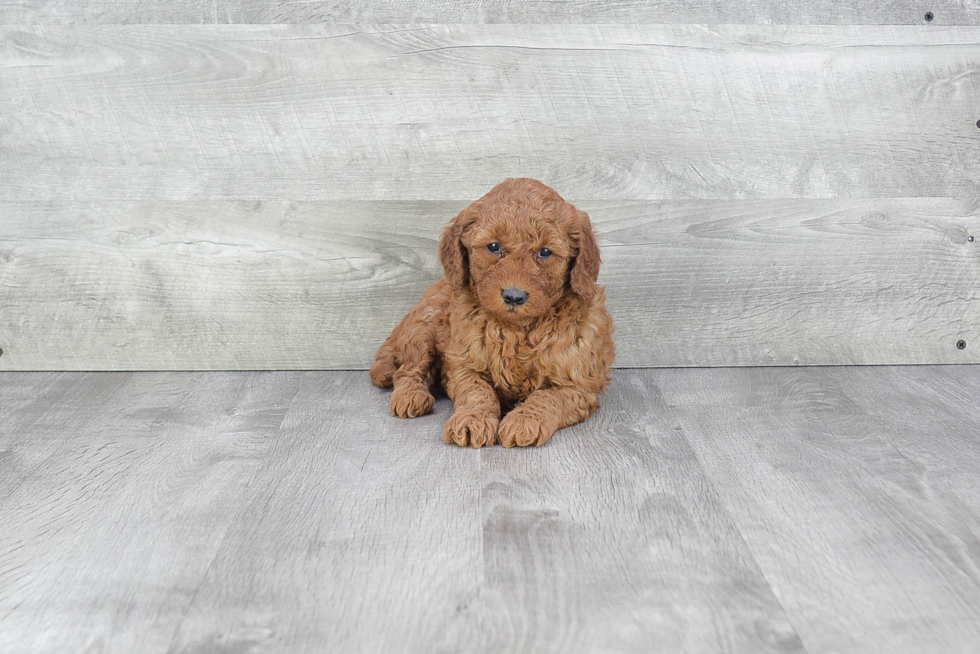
point(522, 430)
point(473, 429)
point(411, 402)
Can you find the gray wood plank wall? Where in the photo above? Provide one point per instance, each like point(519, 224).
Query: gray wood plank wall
point(788, 12)
point(269, 196)
point(242, 284)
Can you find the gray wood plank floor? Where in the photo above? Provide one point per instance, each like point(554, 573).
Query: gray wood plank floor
point(700, 510)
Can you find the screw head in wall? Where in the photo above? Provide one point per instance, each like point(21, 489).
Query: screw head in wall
point(970, 239)
point(978, 123)
point(961, 345)
point(929, 15)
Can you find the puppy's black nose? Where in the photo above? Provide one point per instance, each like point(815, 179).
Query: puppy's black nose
point(515, 297)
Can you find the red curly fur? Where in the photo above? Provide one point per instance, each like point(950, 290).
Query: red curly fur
point(545, 361)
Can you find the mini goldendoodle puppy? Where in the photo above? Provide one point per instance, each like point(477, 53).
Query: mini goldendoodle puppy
point(517, 325)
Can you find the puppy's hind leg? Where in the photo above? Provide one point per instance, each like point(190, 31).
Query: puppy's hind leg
point(385, 364)
point(409, 359)
point(411, 397)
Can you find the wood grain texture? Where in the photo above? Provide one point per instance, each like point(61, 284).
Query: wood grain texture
point(194, 512)
point(838, 482)
point(822, 12)
point(361, 534)
point(615, 541)
point(36, 410)
point(312, 285)
point(104, 541)
point(156, 532)
point(944, 399)
point(444, 112)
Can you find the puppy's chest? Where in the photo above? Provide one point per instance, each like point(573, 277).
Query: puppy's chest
point(516, 366)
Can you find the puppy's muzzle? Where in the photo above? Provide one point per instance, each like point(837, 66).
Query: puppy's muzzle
point(514, 297)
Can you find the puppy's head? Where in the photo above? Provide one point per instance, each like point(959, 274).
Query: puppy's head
point(519, 249)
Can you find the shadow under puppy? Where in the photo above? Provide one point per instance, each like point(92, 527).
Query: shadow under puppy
point(518, 324)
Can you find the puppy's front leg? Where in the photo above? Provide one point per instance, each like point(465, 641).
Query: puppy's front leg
point(544, 412)
point(477, 410)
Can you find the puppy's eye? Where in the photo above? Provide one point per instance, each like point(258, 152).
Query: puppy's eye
point(494, 247)
point(544, 253)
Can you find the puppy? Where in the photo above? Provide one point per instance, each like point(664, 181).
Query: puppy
point(517, 327)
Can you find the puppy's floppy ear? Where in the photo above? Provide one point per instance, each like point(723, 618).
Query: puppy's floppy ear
point(585, 266)
point(452, 253)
